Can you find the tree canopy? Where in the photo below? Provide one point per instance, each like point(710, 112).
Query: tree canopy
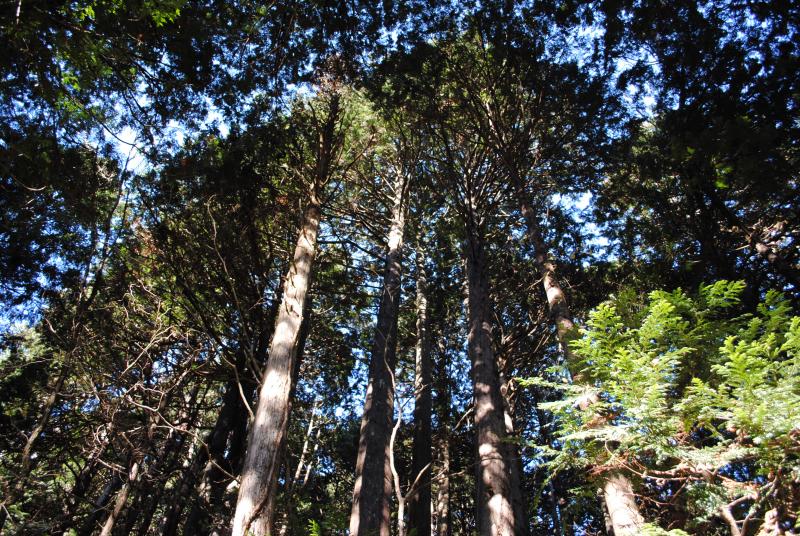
point(399, 268)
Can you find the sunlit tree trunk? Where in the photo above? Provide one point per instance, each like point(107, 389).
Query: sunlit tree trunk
point(625, 512)
point(556, 299)
point(420, 500)
point(262, 463)
point(621, 505)
point(373, 485)
point(122, 498)
point(494, 496)
point(224, 445)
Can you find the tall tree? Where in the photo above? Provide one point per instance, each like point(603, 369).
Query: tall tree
point(255, 505)
point(475, 186)
point(337, 134)
point(373, 485)
point(421, 468)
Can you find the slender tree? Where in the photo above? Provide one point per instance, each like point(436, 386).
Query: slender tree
point(255, 504)
point(373, 485)
point(421, 467)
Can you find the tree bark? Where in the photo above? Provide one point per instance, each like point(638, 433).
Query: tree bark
point(373, 485)
point(494, 502)
point(443, 523)
point(420, 501)
point(443, 494)
point(556, 299)
point(122, 498)
point(515, 460)
point(621, 504)
point(99, 504)
point(213, 458)
point(227, 448)
point(625, 510)
point(268, 431)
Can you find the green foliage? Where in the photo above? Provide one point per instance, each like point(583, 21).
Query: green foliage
point(652, 530)
point(150, 295)
point(690, 390)
point(314, 528)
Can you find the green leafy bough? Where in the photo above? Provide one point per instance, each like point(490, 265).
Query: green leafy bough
point(695, 400)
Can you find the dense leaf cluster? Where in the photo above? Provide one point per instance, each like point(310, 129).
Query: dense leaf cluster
point(581, 163)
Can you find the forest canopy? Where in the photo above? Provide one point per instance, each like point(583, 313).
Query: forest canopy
point(400, 268)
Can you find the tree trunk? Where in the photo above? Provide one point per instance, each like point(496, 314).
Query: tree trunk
point(443, 495)
point(132, 485)
point(494, 502)
point(560, 313)
point(621, 504)
point(99, 504)
point(401, 499)
point(213, 446)
point(267, 433)
point(515, 459)
point(556, 299)
point(213, 458)
point(373, 486)
point(512, 447)
point(305, 329)
point(122, 498)
point(227, 449)
point(420, 501)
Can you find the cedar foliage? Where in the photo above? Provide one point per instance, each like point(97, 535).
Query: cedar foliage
point(155, 163)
